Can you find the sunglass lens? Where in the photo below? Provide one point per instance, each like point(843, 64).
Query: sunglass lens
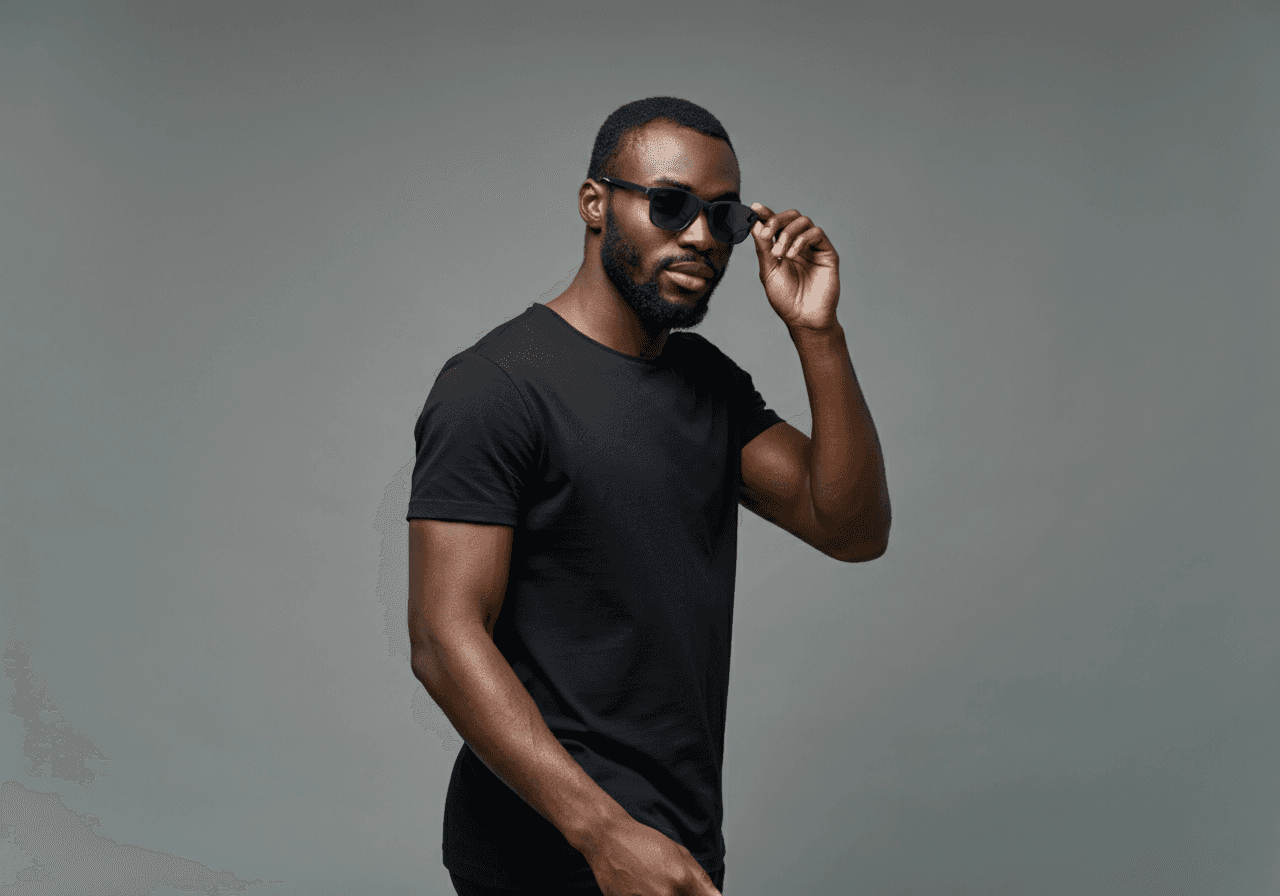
point(730, 221)
point(672, 209)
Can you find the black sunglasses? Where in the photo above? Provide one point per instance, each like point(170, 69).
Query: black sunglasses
point(674, 209)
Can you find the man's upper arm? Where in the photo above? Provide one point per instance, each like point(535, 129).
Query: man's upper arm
point(775, 477)
point(457, 578)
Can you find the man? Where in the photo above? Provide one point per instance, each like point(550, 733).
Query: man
point(573, 524)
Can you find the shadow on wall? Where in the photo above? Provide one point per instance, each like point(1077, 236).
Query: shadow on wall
point(48, 848)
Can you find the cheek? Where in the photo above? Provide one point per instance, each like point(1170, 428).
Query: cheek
point(650, 250)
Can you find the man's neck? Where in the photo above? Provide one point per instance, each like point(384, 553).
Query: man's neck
point(591, 304)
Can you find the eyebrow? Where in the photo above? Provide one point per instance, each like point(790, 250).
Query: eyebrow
point(672, 182)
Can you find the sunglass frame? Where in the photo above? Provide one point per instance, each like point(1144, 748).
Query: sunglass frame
point(703, 205)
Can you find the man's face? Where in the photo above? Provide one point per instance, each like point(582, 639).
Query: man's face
point(637, 255)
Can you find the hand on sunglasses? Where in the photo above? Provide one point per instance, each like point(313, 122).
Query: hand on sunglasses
point(799, 268)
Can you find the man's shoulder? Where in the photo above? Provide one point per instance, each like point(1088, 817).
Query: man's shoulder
point(693, 342)
point(512, 333)
point(500, 350)
point(703, 352)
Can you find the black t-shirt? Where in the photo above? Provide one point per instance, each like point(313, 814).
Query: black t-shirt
point(620, 476)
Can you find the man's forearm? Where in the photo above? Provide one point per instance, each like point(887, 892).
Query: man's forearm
point(846, 467)
point(470, 679)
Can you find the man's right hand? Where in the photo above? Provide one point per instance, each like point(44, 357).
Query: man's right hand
point(633, 859)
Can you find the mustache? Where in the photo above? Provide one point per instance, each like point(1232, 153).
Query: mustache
point(695, 259)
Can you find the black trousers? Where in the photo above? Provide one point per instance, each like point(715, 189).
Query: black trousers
point(470, 888)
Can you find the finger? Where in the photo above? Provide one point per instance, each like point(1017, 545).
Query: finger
point(760, 232)
point(793, 229)
point(810, 239)
point(771, 223)
point(764, 213)
point(779, 222)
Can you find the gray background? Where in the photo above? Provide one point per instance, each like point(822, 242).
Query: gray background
point(238, 241)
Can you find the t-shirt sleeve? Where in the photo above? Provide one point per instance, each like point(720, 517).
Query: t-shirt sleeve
point(754, 416)
point(476, 445)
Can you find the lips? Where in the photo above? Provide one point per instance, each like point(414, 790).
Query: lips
point(693, 269)
point(687, 281)
point(689, 275)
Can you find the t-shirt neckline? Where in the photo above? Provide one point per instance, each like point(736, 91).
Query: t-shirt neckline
point(659, 361)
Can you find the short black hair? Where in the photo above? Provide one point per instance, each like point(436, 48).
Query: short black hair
point(639, 113)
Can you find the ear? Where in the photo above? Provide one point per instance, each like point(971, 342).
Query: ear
point(591, 204)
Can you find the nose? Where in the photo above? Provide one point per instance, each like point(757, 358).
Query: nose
point(698, 234)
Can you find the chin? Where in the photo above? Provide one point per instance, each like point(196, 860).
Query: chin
point(676, 297)
point(692, 318)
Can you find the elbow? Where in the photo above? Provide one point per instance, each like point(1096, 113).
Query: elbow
point(863, 551)
point(421, 666)
point(428, 642)
point(875, 551)
point(424, 662)
point(435, 655)
point(871, 544)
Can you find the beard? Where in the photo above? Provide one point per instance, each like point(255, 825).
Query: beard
point(645, 298)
